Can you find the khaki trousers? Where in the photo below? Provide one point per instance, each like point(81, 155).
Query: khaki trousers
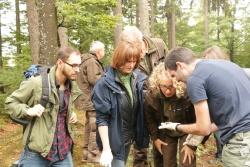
point(237, 151)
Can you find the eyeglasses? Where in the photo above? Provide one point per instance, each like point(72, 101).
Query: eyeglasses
point(73, 66)
point(166, 86)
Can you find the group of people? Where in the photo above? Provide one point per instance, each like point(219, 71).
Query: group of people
point(147, 94)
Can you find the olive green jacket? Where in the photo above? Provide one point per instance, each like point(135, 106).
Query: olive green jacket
point(28, 95)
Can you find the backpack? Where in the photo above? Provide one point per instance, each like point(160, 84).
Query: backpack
point(35, 70)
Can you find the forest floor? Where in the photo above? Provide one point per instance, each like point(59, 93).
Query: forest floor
point(11, 146)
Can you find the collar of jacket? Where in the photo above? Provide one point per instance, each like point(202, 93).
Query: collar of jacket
point(52, 78)
point(111, 79)
point(151, 46)
point(87, 56)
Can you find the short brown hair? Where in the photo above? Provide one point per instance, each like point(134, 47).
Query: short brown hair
point(215, 52)
point(63, 53)
point(179, 54)
point(124, 52)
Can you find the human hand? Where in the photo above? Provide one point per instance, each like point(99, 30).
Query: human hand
point(36, 110)
point(169, 125)
point(193, 140)
point(158, 144)
point(106, 158)
point(188, 154)
point(73, 118)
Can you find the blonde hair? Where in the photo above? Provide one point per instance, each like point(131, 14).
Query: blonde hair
point(215, 52)
point(159, 73)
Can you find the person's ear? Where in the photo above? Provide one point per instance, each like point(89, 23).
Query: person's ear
point(179, 64)
point(59, 63)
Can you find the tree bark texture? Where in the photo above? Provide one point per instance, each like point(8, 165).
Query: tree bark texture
point(48, 31)
point(170, 5)
point(118, 28)
point(18, 28)
point(144, 17)
point(33, 28)
point(63, 36)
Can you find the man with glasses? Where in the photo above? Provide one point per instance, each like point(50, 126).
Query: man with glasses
point(50, 141)
point(91, 70)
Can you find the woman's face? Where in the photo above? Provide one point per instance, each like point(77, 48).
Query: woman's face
point(167, 88)
point(128, 67)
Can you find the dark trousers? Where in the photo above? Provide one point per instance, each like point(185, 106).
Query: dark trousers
point(140, 157)
point(90, 151)
point(170, 152)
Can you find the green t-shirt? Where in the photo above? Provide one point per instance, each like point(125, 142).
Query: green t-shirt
point(126, 81)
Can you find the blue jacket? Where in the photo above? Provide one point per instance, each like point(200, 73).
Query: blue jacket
point(106, 95)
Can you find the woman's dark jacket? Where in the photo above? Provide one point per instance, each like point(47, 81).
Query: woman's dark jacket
point(159, 108)
point(108, 95)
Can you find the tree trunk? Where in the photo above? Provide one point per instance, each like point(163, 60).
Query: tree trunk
point(170, 6)
point(206, 20)
point(232, 38)
point(1, 42)
point(144, 17)
point(33, 28)
point(153, 7)
point(118, 28)
point(48, 32)
point(63, 36)
point(137, 19)
point(18, 28)
point(218, 20)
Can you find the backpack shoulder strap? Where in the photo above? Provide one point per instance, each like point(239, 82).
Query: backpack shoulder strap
point(46, 87)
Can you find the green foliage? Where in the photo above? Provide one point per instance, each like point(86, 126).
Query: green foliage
point(12, 76)
point(88, 20)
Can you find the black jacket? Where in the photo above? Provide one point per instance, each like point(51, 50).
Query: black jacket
point(107, 95)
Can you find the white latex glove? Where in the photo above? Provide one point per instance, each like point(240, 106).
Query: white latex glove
point(193, 140)
point(169, 125)
point(37, 110)
point(106, 158)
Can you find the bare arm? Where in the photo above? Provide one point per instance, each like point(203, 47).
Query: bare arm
point(203, 125)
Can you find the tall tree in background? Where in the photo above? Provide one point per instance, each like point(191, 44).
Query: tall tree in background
point(153, 7)
point(4, 6)
point(48, 31)
point(88, 20)
point(42, 22)
point(18, 28)
point(1, 41)
point(170, 8)
point(144, 26)
point(206, 23)
point(63, 36)
point(118, 14)
point(33, 28)
point(230, 14)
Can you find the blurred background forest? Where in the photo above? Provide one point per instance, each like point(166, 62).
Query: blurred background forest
point(32, 30)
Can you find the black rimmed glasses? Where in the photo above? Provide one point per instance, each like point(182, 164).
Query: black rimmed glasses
point(73, 66)
point(166, 86)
